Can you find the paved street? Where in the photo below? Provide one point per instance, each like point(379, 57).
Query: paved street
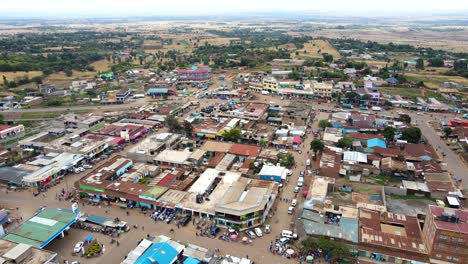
point(454, 164)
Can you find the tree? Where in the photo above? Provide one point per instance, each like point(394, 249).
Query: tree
point(420, 64)
point(365, 97)
point(1, 120)
point(412, 134)
point(286, 159)
point(436, 62)
point(91, 93)
point(188, 128)
point(55, 102)
point(262, 143)
point(345, 142)
point(172, 123)
point(353, 97)
point(316, 145)
point(309, 244)
point(323, 124)
point(389, 133)
point(447, 131)
point(340, 251)
point(234, 134)
point(327, 57)
point(405, 118)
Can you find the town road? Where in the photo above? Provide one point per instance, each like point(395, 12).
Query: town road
point(455, 165)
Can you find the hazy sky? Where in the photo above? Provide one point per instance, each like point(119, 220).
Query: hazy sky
point(70, 8)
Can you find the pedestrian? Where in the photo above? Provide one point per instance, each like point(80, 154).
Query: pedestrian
point(247, 256)
point(142, 228)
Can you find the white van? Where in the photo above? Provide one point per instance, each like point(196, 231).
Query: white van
point(294, 202)
point(265, 92)
point(308, 162)
point(300, 182)
point(288, 234)
point(290, 210)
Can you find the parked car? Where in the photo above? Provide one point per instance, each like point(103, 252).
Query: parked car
point(267, 229)
point(289, 234)
point(214, 230)
point(258, 232)
point(184, 221)
point(296, 189)
point(294, 202)
point(251, 234)
point(290, 210)
point(283, 241)
point(87, 166)
point(78, 247)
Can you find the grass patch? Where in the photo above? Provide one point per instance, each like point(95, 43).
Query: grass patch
point(404, 92)
point(434, 94)
point(379, 179)
point(97, 127)
point(43, 115)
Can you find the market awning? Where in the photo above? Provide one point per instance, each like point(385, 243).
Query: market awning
point(89, 238)
point(297, 140)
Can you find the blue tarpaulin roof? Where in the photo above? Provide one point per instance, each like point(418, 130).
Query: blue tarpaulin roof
point(96, 219)
point(153, 91)
point(89, 238)
point(425, 157)
point(190, 260)
point(375, 142)
point(161, 252)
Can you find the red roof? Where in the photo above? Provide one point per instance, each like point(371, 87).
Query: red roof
point(362, 136)
point(387, 152)
point(460, 227)
point(245, 150)
point(3, 127)
point(166, 181)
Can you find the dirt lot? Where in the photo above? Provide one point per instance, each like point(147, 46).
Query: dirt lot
point(220, 41)
point(456, 41)
point(101, 65)
point(315, 49)
point(20, 74)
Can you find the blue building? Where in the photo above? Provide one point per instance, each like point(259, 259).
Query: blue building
point(376, 142)
point(273, 173)
point(163, 253)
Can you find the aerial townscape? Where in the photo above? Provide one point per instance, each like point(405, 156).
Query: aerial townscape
point(257, 132)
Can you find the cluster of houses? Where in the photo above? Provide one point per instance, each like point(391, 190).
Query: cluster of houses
point(335, 205)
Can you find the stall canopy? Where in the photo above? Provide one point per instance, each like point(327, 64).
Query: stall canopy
point(297, 140)
point(89, 238)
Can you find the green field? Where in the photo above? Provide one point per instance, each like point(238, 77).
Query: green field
point(404, 92)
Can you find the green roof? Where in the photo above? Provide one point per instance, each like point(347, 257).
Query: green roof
point(155, 192)
point(40, 229)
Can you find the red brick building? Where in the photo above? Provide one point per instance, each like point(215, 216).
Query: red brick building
point(445, 234)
